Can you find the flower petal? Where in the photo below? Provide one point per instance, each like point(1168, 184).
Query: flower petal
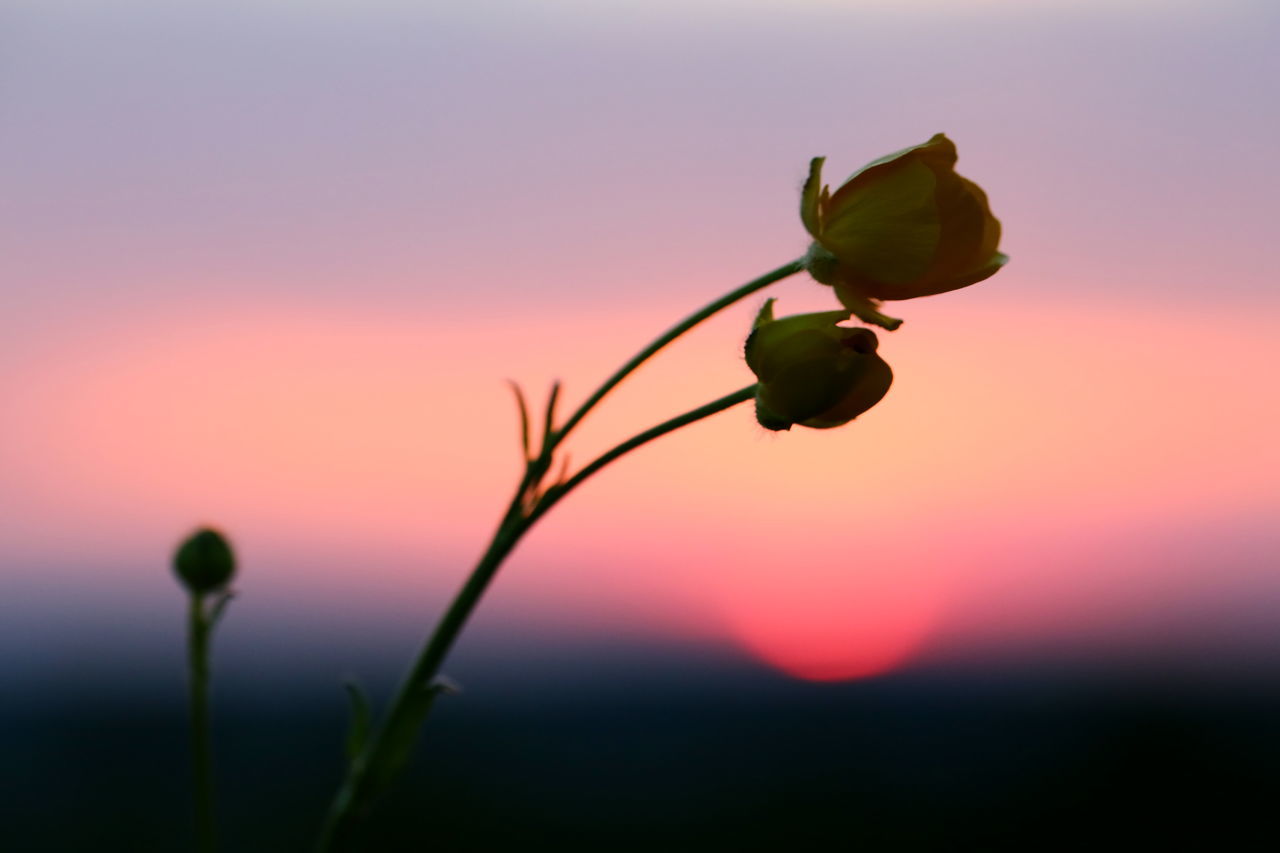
point(863, 307)
point(805, 385)
point(988, 269)
point(773, 337)
point(810, 197)
point(939, 153)
point(889, 230)
point(871, 380)
point(964, 217)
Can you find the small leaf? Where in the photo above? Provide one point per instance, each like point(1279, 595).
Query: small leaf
point(563, 476)
point(219, 605)
point(549, 425)
point(524, 416)
point(765, 314)
point(402, 733)
point(361, 715)
point(446, 685)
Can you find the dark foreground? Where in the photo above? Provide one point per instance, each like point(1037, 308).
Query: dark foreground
point(714, 760)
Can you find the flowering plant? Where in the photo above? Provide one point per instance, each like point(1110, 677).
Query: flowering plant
point(904, 226)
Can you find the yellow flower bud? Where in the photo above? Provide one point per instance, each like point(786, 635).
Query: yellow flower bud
point(903, 226)
point(812, 371)
point(204, 562)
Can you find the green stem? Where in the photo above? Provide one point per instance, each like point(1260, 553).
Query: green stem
point(201, 750)
point(351, 797)
point(670, 335)
point(555, 493)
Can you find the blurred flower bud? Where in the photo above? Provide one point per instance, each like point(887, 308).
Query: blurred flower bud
point(812, 371)
point(903, 226)
point(204, 562)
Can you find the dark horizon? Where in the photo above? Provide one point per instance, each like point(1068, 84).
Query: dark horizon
point(681, 757)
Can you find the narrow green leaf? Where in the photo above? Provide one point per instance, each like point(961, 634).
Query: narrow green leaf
point(402, 733)
point(564, 471)
point(549, 425)
point(361, 715)
point(524, 416)
point(219, 606)
point(765, 314)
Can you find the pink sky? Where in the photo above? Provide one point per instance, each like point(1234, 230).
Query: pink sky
point(259, 280)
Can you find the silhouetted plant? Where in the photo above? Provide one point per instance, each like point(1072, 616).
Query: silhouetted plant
point(904, 226)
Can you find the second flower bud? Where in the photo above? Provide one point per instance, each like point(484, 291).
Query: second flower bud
point(812, 371)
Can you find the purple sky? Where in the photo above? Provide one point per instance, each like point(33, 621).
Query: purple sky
point(533, 187)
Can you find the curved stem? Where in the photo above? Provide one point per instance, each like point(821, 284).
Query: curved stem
point(525, 508)
point(201, 752)
point(352, 796)
point(554, 494)
point(670, 335)
point(428, 664)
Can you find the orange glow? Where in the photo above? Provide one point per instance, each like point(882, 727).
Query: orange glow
point(372, 453)
point(818, 633)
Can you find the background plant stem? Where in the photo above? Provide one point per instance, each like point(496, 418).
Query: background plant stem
point(198, 626)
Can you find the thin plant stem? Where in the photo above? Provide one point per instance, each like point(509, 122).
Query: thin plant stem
point(428, 664)
point(788, 269)
point(198, 629)
point(426, 667)
point(525, 508)
point(556, 493)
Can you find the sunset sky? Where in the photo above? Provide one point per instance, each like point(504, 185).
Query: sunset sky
point(267, 265)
